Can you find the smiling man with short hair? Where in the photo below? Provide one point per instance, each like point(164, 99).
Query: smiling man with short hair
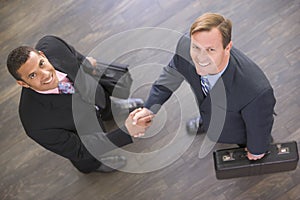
point(207, 60)
point(47, 75)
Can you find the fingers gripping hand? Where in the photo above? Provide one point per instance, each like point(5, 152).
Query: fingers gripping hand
point(138, 128)
point(134, 129)
point(254, 157)
point(142, 117)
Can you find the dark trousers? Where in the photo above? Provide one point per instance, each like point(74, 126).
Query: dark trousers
point(86, 166)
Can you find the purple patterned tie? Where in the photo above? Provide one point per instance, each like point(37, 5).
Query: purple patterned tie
point(66, 88)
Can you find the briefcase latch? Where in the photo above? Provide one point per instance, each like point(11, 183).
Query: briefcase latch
point(228, 157)
point(282, 150)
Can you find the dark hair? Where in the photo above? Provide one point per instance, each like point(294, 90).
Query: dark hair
point(17, 58)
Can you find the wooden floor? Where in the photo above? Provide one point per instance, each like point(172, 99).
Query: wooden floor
point(268, 31)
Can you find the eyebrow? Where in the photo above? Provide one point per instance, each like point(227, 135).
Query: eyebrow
point(209, 47)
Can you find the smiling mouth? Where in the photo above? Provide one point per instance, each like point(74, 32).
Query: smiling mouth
point(203, 64)
point(49, 80)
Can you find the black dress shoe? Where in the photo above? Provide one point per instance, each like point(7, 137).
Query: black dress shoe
point(194, 126)
point(111, 164)
point(127, 104)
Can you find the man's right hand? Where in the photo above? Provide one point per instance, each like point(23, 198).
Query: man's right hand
point(138, 121)
point(142, 117)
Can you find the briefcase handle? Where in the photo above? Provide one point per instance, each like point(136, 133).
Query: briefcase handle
point(230, 156)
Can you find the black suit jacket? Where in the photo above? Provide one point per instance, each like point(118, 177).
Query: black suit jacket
point(239, 108)
point(55, 121)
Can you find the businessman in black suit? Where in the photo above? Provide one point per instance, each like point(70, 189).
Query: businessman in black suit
point(50, 103)
point(225, 82)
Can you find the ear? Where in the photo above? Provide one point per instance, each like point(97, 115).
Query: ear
point(228, 48)
point(23, 84)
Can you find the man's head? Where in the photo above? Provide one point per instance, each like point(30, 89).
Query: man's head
point(31, 69)
point(210, 43)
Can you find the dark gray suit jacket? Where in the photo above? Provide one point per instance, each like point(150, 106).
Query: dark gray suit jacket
point(239, 108)
point(49, 119)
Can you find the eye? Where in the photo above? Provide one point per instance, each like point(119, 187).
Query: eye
point(195, 47)
point(211, 49)
point(32, 75)
point(42, 62)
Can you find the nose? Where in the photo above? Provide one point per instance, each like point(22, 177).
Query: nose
point(202, 55)
point(44, 74)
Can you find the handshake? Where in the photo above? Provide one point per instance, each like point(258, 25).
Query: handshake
point(138, 121)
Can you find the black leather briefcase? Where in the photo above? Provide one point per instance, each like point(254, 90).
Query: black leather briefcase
point(233, 162)
point(115, 78)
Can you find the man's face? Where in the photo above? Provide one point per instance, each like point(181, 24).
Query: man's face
point(208, 53)
point(37, 73)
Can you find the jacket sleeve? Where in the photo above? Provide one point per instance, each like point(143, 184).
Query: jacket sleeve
point(53, 45)
point(258, 118)
point(69, 145)
point(61, 142)
point(169, 81)
point(171, 76)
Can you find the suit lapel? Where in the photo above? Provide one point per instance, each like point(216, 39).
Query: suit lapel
point(228, 75)
point(223, 83)
point(196, 84)
point(219, 94)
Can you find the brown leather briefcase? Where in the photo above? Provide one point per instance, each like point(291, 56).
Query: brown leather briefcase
point(233, 162)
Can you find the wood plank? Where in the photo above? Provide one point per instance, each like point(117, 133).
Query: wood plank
point(267, 31)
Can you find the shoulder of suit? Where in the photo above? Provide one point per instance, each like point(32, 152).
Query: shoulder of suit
point(247, 72)
point(183, 48)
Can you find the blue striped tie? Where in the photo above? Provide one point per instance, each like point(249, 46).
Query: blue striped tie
point(205, 85)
